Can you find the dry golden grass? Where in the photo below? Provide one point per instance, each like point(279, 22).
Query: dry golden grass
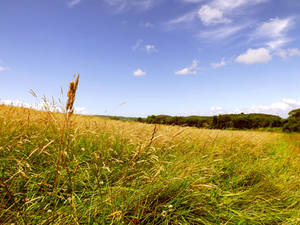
point(117, 172)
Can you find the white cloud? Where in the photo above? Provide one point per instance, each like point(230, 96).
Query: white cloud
point(274, 28)
point(80, 110)
point(150, 48)
point(43, 106)
point(218, 11)
point(192, 69)
point(273, 108)
point(281, 108)
point(274, 32)
point(210, 15)
point(216, 110)
point(4, 68)
point(137, 44)
point(139, 73)
point(72, 3)
point(284, 53)
point(253, 56)
point(16, 103)
point(219, 64)
point(263, 55)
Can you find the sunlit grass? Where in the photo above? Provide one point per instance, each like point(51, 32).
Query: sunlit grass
point(117, 172)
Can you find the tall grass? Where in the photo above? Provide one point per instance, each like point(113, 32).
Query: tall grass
point(115, 172)
point(69, 110)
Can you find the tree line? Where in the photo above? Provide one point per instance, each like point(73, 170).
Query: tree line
point(231, 121)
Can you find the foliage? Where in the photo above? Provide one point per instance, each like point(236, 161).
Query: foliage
point(123, 118)
point(236, 121)
point(293, 122)
point(245, 121)
point(192, 121)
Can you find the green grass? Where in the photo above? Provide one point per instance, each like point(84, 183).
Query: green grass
point(117, 172)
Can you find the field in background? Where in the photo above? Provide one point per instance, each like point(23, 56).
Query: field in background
point(116, 172)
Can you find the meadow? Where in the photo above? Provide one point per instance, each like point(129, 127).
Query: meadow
point(116, 172)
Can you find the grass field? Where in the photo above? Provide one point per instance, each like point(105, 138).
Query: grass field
point(115, 172)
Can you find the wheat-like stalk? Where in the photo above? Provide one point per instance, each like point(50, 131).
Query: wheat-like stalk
point(71, 96)
point(69, 112)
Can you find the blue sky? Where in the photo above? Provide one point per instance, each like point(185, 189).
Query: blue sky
point(143, 57)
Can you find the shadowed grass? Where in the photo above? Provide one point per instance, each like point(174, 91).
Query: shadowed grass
point(118, 172)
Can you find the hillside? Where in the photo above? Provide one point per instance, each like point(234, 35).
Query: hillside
point(120, 172)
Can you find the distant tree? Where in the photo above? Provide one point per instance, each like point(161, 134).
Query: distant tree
point(295, 113)
point(139, 120)
point(292, 124)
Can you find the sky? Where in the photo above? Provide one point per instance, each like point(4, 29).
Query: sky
point(145, 57)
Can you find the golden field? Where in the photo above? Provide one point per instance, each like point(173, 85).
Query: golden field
point(116, 172)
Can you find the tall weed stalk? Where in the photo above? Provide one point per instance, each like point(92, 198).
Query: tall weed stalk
point(69, 110)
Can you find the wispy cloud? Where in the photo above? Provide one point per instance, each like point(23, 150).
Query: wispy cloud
point(192, 69)
point(294, 52)
point(219, 64)
point(192, 1)
point(222, 32)
point(274, 28)
point(139, 73)
point(277, 43)
point(220, 11)
point(4, 68)
point(72, 3)
point(215, 11)
point(148, 25)
point(151, 49)
point(284, 53)
point(125, 5)
point(188, 17)
point(138, 44)
point(274, 32)
point(219, 18)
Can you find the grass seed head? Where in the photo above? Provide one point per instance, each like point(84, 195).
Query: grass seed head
point(71, 95)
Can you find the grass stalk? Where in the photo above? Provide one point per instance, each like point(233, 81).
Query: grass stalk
point(69, 110)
